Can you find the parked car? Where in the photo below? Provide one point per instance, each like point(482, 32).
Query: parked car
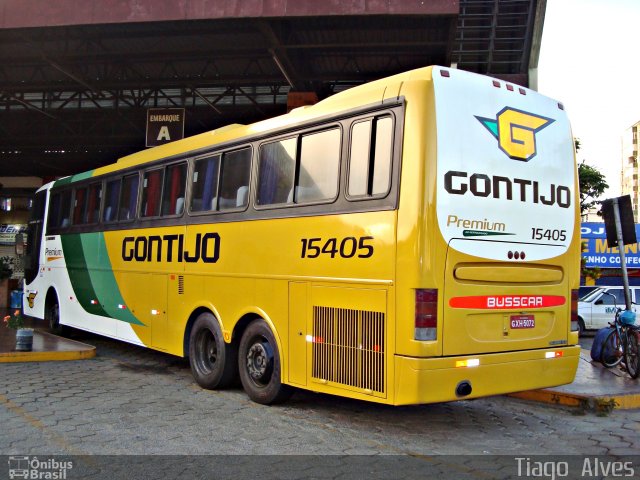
point(597, 308)
point(586, 290)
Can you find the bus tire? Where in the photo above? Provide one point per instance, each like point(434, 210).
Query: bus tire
point(52, 315)
point(259, 365)
point(213, 362)
point(581, 327)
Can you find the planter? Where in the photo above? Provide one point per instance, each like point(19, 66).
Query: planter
point(24, 339)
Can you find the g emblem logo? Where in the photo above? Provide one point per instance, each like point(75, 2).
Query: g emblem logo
point(516, 131)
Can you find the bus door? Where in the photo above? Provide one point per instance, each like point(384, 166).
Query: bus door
point(32, 258)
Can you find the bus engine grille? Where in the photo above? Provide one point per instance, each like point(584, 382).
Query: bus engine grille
point(348, 347)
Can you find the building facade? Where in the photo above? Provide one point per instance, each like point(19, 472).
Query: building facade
point(630, 166)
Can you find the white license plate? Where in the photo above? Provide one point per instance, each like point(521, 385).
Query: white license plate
point(522, 321)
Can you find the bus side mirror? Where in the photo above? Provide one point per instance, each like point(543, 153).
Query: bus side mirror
point(598, 302)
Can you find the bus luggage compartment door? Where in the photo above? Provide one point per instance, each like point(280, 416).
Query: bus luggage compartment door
point(497, 307)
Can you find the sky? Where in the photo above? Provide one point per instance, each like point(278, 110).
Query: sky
point(590, 61)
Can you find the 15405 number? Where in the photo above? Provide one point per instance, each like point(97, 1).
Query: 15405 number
point(541, 233)
point(348, 247)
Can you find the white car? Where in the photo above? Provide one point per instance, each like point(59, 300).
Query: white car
point(597, 308)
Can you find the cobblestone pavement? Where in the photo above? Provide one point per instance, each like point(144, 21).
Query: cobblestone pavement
point(129, 400)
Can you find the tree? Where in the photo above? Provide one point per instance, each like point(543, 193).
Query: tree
point(592, 185)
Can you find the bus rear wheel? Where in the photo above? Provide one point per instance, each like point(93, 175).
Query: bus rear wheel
point(259, 365)
point(213, 362)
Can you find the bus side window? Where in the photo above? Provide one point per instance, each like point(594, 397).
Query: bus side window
point(151, 187)
point(174, 187)
point(370, 159)
point(276, 172)
point(129, 200)
point(79, 203)
point(65, 209)
point(234, 179)
point(92, 211)
point(112, 194)
point(319, 166)
point(204, 184)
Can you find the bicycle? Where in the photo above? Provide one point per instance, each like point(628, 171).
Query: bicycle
point(622, 343)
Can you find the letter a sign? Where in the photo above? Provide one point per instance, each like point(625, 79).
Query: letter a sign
point(164, 125)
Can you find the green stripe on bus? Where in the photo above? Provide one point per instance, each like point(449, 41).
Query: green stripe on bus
point(74, 178)
point(94, 285)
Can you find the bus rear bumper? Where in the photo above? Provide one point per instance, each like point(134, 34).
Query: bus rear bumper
point(430, 380)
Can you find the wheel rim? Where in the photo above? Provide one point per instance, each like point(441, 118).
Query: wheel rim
point(260, 361)
point(207, 351)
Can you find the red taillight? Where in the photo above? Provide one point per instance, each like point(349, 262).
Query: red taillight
point(574, 311)
point(426, 317)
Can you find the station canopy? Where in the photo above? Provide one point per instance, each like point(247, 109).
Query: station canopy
point(77, 78)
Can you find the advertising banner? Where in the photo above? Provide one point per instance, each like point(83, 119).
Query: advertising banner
point(597, 252)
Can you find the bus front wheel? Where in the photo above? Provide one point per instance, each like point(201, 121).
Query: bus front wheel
point(52, 316)
point(213, 362)
point(259, 365)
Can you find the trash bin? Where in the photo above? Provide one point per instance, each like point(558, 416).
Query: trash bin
point(16, 299)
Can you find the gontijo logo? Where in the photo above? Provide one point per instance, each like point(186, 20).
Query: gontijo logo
point(516, 131)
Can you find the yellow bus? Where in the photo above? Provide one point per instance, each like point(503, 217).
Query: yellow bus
point(411, 240)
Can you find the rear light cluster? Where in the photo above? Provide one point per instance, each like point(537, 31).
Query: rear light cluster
point(574, 311)
point(426, 318)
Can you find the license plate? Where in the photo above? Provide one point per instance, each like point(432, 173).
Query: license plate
point(522, 321)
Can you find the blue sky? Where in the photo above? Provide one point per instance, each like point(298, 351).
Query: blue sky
point(590, 61)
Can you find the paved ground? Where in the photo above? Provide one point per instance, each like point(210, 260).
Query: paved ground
point(129, 400)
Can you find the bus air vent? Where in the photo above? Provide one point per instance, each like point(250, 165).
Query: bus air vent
point(180, 285)
point(348, 348)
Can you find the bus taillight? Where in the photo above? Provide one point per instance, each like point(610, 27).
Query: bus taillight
point(426, 318)
point(574, 311)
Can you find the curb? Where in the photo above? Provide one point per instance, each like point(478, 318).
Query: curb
point(77, 351)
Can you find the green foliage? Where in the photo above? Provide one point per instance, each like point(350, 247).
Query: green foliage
point(592, 186)
point(14, 321)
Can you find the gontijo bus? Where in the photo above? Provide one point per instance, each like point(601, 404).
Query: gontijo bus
point(411, 240)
